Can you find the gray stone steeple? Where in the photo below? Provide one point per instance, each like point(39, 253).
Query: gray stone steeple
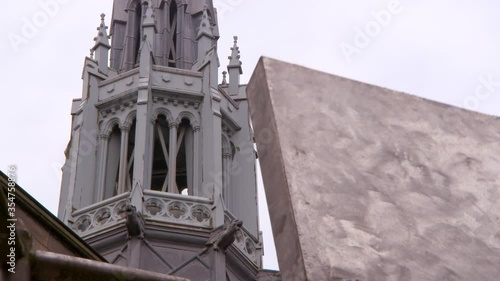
point(160, 169)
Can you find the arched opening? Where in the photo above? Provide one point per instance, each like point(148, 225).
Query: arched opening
point(130, 157)
point(173, 157)
point(112, 163)
point(185, 154)
point(227, 158)
point(159, 176)
point(172, 42)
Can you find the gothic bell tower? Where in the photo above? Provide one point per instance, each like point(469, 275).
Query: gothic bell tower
point(160, 167)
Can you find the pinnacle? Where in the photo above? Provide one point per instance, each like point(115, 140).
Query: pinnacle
point(224, 78)
point(234, 58)
point(102, 34)
point(205, 26)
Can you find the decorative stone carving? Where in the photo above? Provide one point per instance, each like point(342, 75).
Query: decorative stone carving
point(163, 206)
point(166, 78)
point(200, 213)
point(245, 243)
point(250, 246)
point(111, 89)
point(82, 224)
point(154, 207)
point(130, 82)
point(177, 210)
point(102, 216)
point(120, 211)
point(239, 236)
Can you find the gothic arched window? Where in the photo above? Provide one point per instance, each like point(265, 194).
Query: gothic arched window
point(227, 157)
point(112, 163)
point(174, 156)
point(129, 165)
point(184, 178)
point(159, 177)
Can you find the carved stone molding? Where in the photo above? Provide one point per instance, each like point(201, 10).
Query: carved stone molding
point(178, 209)
point(245, 243)
point(100, 217)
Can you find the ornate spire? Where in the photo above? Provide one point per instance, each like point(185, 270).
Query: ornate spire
point(234, 58)
point(102, 34)
point(234, 69)
point(101, 47)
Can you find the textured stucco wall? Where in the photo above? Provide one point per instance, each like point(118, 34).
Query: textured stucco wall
point(371, 184)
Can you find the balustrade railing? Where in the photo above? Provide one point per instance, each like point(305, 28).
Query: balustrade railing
point(246, 243)
point(163, 207)
point(100, 216)
point(177, 208)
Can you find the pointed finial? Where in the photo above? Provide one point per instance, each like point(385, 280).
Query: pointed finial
point(234, 58)
point(224, 79)
point(91, 54)
point(205, 26)
point(102, 34)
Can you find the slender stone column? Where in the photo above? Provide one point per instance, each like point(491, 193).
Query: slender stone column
point(122, 172)
point(218, 265)
point(172, 159)
point(148, 165)
point(196, 160)
point(226, 164)
point(101, 171)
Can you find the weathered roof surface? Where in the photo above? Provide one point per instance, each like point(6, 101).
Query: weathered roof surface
point(372, 184)
point(45, 222)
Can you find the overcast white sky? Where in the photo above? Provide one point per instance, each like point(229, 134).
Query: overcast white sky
point(447, 50)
